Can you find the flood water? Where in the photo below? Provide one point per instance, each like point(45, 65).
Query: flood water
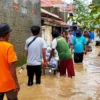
point(85, 85)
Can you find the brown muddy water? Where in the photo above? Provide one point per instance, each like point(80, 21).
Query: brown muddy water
point(85, 85)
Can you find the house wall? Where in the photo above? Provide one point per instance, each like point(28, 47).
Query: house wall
point(46, 34)
point(20, 15)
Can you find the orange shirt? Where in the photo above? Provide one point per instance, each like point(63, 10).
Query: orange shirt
point(7, 55)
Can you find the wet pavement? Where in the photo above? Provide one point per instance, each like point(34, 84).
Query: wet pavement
point(85, 85)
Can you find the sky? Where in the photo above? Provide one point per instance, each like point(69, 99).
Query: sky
point(69, 1)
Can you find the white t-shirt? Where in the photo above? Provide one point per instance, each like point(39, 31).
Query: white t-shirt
point(34, 56)
point(54, 44)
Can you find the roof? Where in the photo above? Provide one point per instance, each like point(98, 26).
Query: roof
point(61, 23)
point(50, 3)
point(50, 14)
point(55, 1)
point(67, 8)
point(45, 4)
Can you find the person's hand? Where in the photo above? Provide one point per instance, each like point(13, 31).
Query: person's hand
point(47, 60)
point(44, 64)
point(85, 52)
point(17, 88)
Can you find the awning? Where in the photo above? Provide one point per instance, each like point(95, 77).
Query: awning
point(49, 14)
point(57, 22)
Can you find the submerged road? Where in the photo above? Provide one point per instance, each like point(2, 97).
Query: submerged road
point(85, 85)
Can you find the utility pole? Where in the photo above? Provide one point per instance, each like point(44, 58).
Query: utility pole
point(64, 12)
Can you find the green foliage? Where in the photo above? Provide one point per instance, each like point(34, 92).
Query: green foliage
point(87, 15)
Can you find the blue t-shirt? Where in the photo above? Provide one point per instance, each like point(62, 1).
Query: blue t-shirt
point(79, 43)
point(91, 35)
point(74, 33)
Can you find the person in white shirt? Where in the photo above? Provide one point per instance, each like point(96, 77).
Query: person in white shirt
point(35, 50)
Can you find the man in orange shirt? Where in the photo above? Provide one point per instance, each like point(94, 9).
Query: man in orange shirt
point(8, 79)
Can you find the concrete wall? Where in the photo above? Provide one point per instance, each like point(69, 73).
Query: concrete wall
point(20, 15)
point(46, 34)
point(57, 12)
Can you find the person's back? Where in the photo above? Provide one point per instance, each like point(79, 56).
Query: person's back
point(78, 43)
point(35, 50)
point(63, 49)
point(34, 56)
point(65, 57)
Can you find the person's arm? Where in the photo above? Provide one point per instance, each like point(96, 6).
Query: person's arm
point(44, 53)
point(85, 46)
point(54, 45)
point(72, 44)
point(72, 47)
point(12, 58)
point(26, 50)
point(51, 54)
point(13, 73)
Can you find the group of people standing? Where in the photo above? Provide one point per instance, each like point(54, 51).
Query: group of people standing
point(35, 48)
point(78, 42)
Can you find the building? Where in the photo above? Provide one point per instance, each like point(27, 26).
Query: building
point(49, 22)
point(20, 15)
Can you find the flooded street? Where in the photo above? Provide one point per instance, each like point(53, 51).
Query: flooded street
point(85, 85)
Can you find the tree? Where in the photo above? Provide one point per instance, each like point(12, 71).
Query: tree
point(96, 2)
point(87, 16)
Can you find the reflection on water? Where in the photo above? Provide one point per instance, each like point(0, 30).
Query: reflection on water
point(85, 85)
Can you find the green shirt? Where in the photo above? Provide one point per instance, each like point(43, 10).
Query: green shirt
point(63, 49)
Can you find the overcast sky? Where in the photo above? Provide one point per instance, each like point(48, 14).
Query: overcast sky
point(68, 1)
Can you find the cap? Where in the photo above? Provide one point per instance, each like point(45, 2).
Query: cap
point(78, 31)
point(4, 28)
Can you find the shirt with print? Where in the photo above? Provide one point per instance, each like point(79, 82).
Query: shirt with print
point(7, 56)
point(61, 46)
point(34, 56)
point(79, 43)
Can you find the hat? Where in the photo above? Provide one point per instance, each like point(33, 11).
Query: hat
point(78, 31)
point(4, 28)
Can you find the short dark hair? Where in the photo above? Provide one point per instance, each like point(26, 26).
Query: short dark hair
point(55, 33)
point(69, 30)
point(35, 30)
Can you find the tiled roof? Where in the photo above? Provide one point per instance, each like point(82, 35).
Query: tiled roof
point(50, 3)
point(45, 4)
point(67, 9)
point(55, 1)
